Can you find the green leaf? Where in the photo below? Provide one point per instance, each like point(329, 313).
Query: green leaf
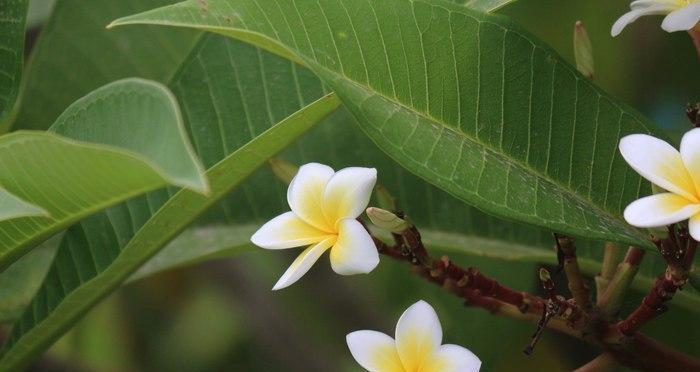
point(92, 283)
point(64, 58)
point(13, 19)
point(129, 114)
point(542, 150)
point(199, 244)
point(21, 280)
point(14, 207)
point(70, 178)
point(485, 5)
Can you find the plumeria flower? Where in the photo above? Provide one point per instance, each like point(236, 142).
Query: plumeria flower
point(417, 347)
point(325, 205)
point(681, 15)
point(676, 172)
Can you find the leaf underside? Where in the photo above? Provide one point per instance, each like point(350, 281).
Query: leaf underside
point(468, 101)
point(71, 180)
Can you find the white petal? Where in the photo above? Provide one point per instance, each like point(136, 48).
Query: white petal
point(658, 162)
point(354, 252)
point(682, 19)
point(374, 351)
point(303, 263)
point(670, 5)
point(348, 193)
point(659, 210)
point(305, 194)
point(287, 231)
point(452, 358)
point(690, 153)
point(642, 9)
point(418, 335)
point(694, 226)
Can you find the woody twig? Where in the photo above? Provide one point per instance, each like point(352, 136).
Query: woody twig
point(678, 249)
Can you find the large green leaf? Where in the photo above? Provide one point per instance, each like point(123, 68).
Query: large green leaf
point(13, 18)
point(469, 101)
point(97, 163)
point(62, 59)
point(106, 267)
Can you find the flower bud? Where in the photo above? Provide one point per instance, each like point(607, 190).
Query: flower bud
point(583, 51)
point(386, 220)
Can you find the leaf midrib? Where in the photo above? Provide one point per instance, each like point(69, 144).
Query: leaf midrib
point(285, 50)
point(509, 159)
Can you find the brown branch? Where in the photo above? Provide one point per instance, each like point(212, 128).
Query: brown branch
point(470, 283)
point(695, 35)
point(653, 303)
point(678, 249)
point(577, 283)
point(629, 349)
point(645, 354)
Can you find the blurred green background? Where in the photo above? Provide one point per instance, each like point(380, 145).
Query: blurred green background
point(222, 316)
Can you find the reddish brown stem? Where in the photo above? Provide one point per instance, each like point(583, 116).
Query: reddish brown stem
point(695, 35)
point(645, 354)
point(679, 254)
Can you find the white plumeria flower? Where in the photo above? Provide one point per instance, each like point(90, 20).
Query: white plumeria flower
point(676, 172)
point(681, 15)
point(417, 347)
point(325, 205)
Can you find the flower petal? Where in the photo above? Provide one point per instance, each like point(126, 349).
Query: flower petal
point(418, 335)
point(374, 351)
point(354, 252)
point(452, 358)
point(659, 210)
point(694, 226)
point(641, 9)
point(690, 153)
point(348, 193)
point(287, 231)
point(671, 5)
point(303, 263)
point(305, 194)
point(682, 19)
point(658, 162)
